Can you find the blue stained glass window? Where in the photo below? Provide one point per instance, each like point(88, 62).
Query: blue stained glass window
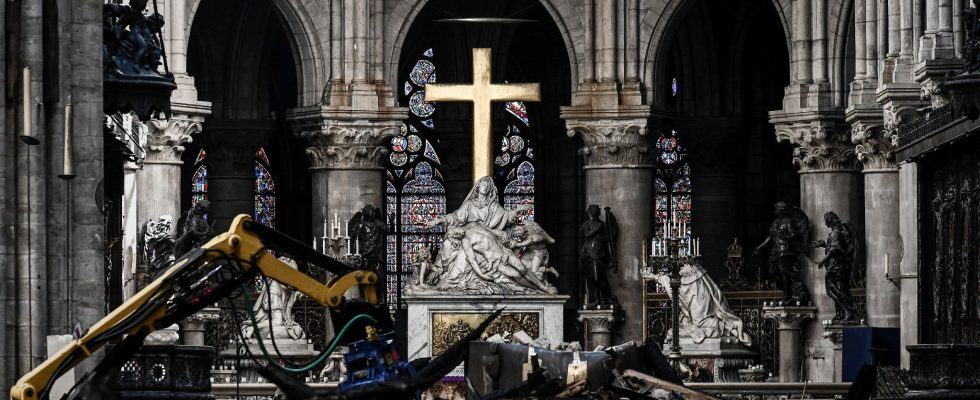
point(672, 185)
point(414, 190)
point(514, 161)
point(265, 190)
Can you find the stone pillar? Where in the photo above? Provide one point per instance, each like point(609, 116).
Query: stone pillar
point(789, 321)
point(599, 325)
point(908, 175)
point(346, 160)
point(828, 182)
point(618, 174)
point(882, 241)
point(835, 333)
point(231, 168)
point(159, 182)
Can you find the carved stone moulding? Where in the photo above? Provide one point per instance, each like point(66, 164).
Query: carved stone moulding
point(344, 139)
point(789, 317)
point(822, 139)
point(944, 371)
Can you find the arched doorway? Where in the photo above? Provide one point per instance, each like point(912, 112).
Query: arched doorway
point(720, 70)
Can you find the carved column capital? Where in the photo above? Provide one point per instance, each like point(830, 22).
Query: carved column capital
point(872, 147)
point(612, 143)
point(789, 317)
point(165, 138)
point(821, 144)
point(598, 321)
point(346, 141)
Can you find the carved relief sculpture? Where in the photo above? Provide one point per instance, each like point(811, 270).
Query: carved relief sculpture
point(486, 250)
point(840, 249)
point(787, 237)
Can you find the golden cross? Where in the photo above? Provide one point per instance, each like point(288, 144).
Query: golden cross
point(482, 93)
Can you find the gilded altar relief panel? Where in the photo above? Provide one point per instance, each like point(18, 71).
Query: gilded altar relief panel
point(447, 328)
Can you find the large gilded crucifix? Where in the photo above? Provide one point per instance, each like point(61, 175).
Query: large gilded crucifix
point(482, 93)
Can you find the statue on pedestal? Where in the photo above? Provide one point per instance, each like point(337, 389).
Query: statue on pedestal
point(480, 254)
point(704, 311)
point(193, 229)
point(840, 249)
point(274, 311)
point(368, 230)
point(787, 235)
point(598, 256)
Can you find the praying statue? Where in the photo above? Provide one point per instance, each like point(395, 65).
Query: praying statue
point(486, 250)
point(703, 308)
point(273, 310)
point(598, 256)
point(840, 249)
point(193, 229)
point(368, 230)
point(787, 236)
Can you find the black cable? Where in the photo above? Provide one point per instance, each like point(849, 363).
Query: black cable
point(272, 335)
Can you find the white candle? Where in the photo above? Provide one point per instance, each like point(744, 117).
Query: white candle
point(68, 167)
point(324, 227)
point(336, 225)
point(28, 107)
point(888, 265)
point(357, 246)
point(314, 242)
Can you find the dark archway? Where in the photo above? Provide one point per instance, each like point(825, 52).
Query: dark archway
point(242, 57)
point(522, 52)
point(731, 65)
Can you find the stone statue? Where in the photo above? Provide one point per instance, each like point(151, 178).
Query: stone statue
point(529, 240)
point(704, 309)
point(274, 311)
point(368, 231)
point(598, 256)
point(193, 229)
point(787, 237)
point(426, 273)
point(132, 45)
point(840, 249)
point(156, 245)
point(484, 251)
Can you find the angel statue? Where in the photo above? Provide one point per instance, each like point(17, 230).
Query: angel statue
point(599, 256)
point(274, 311)
point(368, 232)
point(840, 248)
point(787, 235)
point(530, 242)
point(156, 246)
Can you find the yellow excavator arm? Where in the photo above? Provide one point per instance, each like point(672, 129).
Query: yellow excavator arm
point(152, 307)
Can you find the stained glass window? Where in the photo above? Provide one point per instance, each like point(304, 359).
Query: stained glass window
point(199, 181)
point(414, 190)
point(265, 190)
point(514, 162)
point(674, 88)
point(672, 185)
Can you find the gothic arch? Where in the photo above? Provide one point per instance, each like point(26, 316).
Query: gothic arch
point(404, 15)
point(659, 25)
point(306, 44)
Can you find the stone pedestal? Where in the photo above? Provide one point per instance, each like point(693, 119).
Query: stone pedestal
point(790, 320)
point(723, 357)
point(944, 371)
point(435, 322)
point(598, 324)
point(835, 333)
point(193, 327)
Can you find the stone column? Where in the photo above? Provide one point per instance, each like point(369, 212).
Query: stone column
point(619, 175)
point(908, 175)
point(192, 328)
point(159, 181)
point(346, 160)
point(829, 181)
point(790, 321)
point(231, 168)
point(882, 241)
point(835, 333)
point(599, 325)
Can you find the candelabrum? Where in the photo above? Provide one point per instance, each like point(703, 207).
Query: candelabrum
point(670, 254)
point(335, 241)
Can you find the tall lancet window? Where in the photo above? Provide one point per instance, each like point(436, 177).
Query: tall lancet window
point(265, 190)
point(515, 162)
point(672, 185)
point(415, 190)
point(199, 180)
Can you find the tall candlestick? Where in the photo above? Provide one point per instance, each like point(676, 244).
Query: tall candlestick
point(28, 135)
point(324, 227)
